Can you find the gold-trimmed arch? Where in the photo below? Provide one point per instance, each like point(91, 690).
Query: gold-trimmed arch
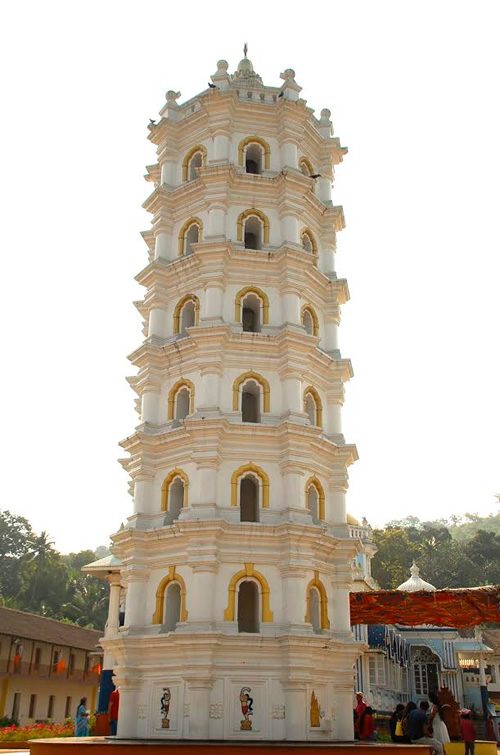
point(183, 383)
point(188, 157)
point(314, 317)
point(161, 591)
point(165, 487)
point(313, 482)
point(264, 384)
point(323, 601)
point(258, 472)
point(248, 571)
point(307, 233)
point(178, 310)
point(304, 162)
point(260, 295)
point(243, 216)
point(254, 140)
point(311, 391)
point(183, 233)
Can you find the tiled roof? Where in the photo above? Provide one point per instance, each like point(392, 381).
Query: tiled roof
point(30, 626)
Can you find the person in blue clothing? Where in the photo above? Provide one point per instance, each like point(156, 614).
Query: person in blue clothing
point(420, 731)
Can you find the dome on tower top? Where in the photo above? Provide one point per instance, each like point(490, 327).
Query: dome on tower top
point(245, 66)
point(416, 583)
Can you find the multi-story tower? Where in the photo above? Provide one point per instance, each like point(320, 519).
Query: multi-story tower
point(237, 558)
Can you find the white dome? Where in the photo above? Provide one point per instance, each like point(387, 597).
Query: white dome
point(416, 583)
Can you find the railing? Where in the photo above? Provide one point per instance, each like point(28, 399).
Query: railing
point(44, 671)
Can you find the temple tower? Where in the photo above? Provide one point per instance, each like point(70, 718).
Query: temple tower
point(237, 560)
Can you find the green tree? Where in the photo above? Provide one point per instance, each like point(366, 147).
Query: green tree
point(44, 577)
point(396, 551)
point(15, 535)
point(87, 602)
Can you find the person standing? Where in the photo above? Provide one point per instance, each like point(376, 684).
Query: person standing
point(82, 719)
point(114, 704)
point(419, 729)
point(468, 731)
point(439, 728)
point(396, 725)
point(358, 712)
point(367, 725)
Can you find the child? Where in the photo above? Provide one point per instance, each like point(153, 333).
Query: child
point(367, 725)
point(468, 731)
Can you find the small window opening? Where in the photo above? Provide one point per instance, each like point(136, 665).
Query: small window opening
point(16, 704)
point(307, 244)
point(308, 323)
point(250, 402)
point(248, 607)
point(187, 317)
point(182, 401)
point(253, 159)
point(192, 237)
point(175, 498)
point(253, 233)
point(314, 609)
point(310, 408)
point(195, 162)
point(50, 707)
point(250, 318)
point(313, 503)
point(172, 606)
point(32, 708)
point(38, 656)
point(249, 500)
point(67, 708)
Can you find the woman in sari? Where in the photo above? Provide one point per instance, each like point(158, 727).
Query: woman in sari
point(82, 719)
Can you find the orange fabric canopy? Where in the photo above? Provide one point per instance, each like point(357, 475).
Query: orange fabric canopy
point(464, 607)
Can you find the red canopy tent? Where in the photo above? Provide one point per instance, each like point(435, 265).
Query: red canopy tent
point(464, 607)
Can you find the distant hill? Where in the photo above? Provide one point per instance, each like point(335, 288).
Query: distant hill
point(467, 526)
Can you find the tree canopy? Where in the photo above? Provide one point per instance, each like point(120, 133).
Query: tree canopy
point(35, 577)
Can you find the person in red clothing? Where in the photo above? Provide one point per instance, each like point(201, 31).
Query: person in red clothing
point(358, 712)
point(468, 731)
point(367, 725)
point(114, 704)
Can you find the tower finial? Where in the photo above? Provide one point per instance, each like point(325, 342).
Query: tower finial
point(245, 49)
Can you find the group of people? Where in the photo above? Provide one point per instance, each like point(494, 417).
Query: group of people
point(425, 725)
point(416, 725)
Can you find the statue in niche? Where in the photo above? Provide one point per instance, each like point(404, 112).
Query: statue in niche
point(314, 711)
point(246, 703)
point(165, 707)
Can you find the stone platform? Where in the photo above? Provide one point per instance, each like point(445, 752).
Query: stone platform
point(111, 746)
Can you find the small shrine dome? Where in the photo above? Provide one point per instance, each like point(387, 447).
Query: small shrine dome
point(416, 583)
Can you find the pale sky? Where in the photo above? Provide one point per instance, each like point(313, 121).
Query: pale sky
point(414, 92)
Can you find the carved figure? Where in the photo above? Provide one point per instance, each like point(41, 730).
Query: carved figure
point(314, 711)
point(165, 707)
point(246, 703)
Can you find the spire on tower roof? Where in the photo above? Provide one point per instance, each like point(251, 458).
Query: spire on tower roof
point(416, 583)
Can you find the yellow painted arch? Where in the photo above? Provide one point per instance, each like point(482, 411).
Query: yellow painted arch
point(314, 317)
point(310, 391)
point(251, 375)
point(315, 483)
point(323, 601)
point(248, 571)
point(178, 309)
point(166, 487)
point(305, 163)
point(173, 393)
point(243, 216)
point(258, 472)
point(183, 233)
point(188, 157)
point(259, 293)
point(254, 140)
point(172, 576)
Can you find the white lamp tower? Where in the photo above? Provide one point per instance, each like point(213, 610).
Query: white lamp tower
point(237, 558)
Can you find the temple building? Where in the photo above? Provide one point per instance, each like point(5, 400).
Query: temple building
point(46, 666)
point(237, 560)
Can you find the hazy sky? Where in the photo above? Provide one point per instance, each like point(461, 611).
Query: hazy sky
point(414, 92)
